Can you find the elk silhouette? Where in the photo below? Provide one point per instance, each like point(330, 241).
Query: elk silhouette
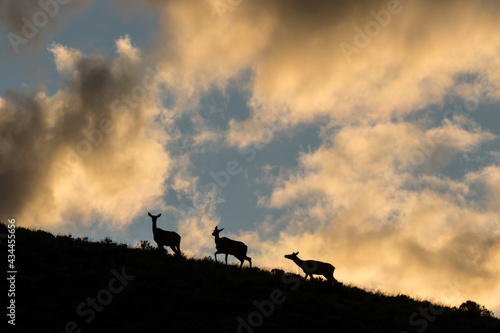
point(311, 267)
point(165, 238)
point(229, 246)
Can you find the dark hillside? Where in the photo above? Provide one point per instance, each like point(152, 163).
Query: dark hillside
point(67, 285)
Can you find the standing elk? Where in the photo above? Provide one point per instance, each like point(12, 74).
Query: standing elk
point(311, 267)
point(229, 246)
point(165, 238)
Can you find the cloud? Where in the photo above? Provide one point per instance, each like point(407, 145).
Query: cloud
point(197, 226)
point(297, 62)
point(28, 23)
point(487, 181)
point(92, 151)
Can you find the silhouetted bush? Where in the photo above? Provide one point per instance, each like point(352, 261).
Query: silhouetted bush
point(107, 240)
point(145, 245)
point(475, 309)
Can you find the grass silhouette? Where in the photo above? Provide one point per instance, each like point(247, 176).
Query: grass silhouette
point(56, 274)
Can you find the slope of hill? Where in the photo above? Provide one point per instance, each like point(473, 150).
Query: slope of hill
point(73, 285)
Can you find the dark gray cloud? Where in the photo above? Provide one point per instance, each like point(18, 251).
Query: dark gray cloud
point(75, 141)
point(28, 23)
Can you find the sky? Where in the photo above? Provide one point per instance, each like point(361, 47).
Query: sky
point(360, 133)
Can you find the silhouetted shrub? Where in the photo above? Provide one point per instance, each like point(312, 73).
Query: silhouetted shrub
point(107, 241)
point(475, 309)
point(145, 245)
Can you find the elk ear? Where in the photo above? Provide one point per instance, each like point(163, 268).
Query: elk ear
point(150, 214)
point(296, 253)
point(159, 215)
point(221, 229)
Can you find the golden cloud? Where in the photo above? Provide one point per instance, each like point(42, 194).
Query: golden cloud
point(295, 53)
point(92, 150)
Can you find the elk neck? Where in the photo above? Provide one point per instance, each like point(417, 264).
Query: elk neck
point(297, 261)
